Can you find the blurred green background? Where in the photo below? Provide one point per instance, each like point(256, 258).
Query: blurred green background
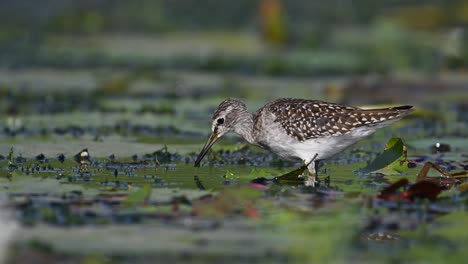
point(255, 37)
point(163, 64)
point(183, 57)
point(380, 49)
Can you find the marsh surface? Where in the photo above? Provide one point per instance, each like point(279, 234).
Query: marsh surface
point(136, 91)
point(139, 198)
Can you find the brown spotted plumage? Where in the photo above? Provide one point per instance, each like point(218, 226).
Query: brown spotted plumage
point(300, 129)
point(306, 119)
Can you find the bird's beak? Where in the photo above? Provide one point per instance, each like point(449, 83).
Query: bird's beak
point(211, 140)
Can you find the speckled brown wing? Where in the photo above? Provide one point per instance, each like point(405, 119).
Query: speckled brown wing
point(306, 119)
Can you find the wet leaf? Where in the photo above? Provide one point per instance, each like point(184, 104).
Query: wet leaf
point(423, 189)
point(229, 175)
point(257, 173)
point(389, 193)
point(293, 177)
point(391, 161)
point(139, 197)
point(445, 182)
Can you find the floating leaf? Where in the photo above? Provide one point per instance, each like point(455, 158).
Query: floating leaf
point(293, 177)
point(423, 189)
point(389, 192)
point(229, 175)
point(446, 180)
point(391, 161)
point(257, 173)
point(296, 176)
point(139, 197)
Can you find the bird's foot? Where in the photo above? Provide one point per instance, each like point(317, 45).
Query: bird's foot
point(311, 181)
point(315, 182)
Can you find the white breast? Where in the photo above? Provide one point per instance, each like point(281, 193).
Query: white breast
point(324, 147)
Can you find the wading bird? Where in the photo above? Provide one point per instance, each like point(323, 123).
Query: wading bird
point(300, 129)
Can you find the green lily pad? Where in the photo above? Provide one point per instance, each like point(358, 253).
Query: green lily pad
point(392, 161)
point(229, 175)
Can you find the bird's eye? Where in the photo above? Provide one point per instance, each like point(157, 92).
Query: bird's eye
point(220, 121)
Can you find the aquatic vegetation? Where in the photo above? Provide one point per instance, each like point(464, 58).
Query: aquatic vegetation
point(393, 160)
point(106, 172)
point(239, 187)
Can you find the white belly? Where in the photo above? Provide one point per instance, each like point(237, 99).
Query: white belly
point(273, 137)
point(325, 147)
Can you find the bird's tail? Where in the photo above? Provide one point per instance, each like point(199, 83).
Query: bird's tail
point(382, 115)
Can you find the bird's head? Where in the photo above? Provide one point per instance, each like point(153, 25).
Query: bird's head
point(225, 119)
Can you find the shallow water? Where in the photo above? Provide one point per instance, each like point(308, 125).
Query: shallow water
point(139, 198)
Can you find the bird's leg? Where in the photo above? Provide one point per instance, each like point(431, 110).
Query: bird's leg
point(312, 179)
point(309, 179)
point(312, 168)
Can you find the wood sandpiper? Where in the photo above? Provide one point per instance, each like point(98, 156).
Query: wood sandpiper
point(300, 129)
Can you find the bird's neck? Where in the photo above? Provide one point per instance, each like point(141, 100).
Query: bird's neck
point(244, 127)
